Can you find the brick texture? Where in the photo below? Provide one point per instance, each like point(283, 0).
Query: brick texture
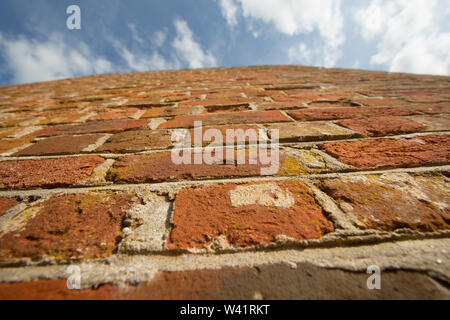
point(226, 118)
point(246, 215)
point(407, 152)
point(47, 173)
point(68, 226)
point(361, 178)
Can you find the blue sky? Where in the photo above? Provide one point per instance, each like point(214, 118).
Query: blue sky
point(138, 35)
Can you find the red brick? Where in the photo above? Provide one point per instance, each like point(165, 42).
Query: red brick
point(227, 108)
point(269, 281)
point(432, 109)
point(347, 113)
point(246, 217)
point(226, 118)
point(227, 140)
point(392, 203)
point(171, 111)
point(217, 102)
point(47, 173)
point(6, 204)
point(159, 166)
point(59, 145)
point(280, 106)
point(113, 113)
point(70, 226)
point(407, 152)
point(331, 104)
point(50, 290)
point(428, 99)
point(382, 126)
point(377, 102)
point(137, 140)
point(92, 127)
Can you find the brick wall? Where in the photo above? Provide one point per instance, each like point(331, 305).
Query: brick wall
point(86, 179)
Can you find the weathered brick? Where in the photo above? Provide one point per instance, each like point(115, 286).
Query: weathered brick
point(382, 126)
point(332, 104)
point(228, 108)
point(47, 173)
point(347, 113)
point(6, 204)
point(407, 152)
point(432, 109)
point(280, 106)
point(67, 226)
point(6, 132)
point(433, 123)
point(137, 140)
point(379, 102)
point(159, 166)
point(217, 102)
point(59, 117)
point(427, 99)
point(59, 145)
point(112, 113)
point(315, 131)
point(246, 215)
point(393, 201)
point(226, 118)
point(92, 127)
point(270, 281)
point(230, 139)
point(171, 111)
point(7, 145)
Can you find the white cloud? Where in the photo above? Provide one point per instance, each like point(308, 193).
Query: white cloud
point(137, 60)
point(30, 60)
point(410, 35)
point(135, 34)
point(188, 50)
point(295, 17)
point(160, 37)
point(229, 11)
